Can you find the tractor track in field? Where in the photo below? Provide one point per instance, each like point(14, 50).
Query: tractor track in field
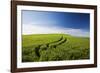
point(59, 42)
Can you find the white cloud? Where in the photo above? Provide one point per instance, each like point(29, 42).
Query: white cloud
point(35, 29)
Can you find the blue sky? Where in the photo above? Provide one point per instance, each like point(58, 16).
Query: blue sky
point(60, 22)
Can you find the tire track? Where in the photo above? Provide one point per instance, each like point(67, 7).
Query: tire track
point(54, 45)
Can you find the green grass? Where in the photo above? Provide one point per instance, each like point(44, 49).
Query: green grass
point(37, 39)
point(54, 47)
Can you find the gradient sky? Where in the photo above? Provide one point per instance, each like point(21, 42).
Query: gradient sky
point(62, 21)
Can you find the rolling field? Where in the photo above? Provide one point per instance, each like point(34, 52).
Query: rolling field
point(54, 47)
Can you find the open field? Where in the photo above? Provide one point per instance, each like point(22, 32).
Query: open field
point(54, 47)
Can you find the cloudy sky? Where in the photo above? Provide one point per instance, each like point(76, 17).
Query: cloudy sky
point(43, 22)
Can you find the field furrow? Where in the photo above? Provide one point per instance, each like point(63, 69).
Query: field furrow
point(53, 44)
